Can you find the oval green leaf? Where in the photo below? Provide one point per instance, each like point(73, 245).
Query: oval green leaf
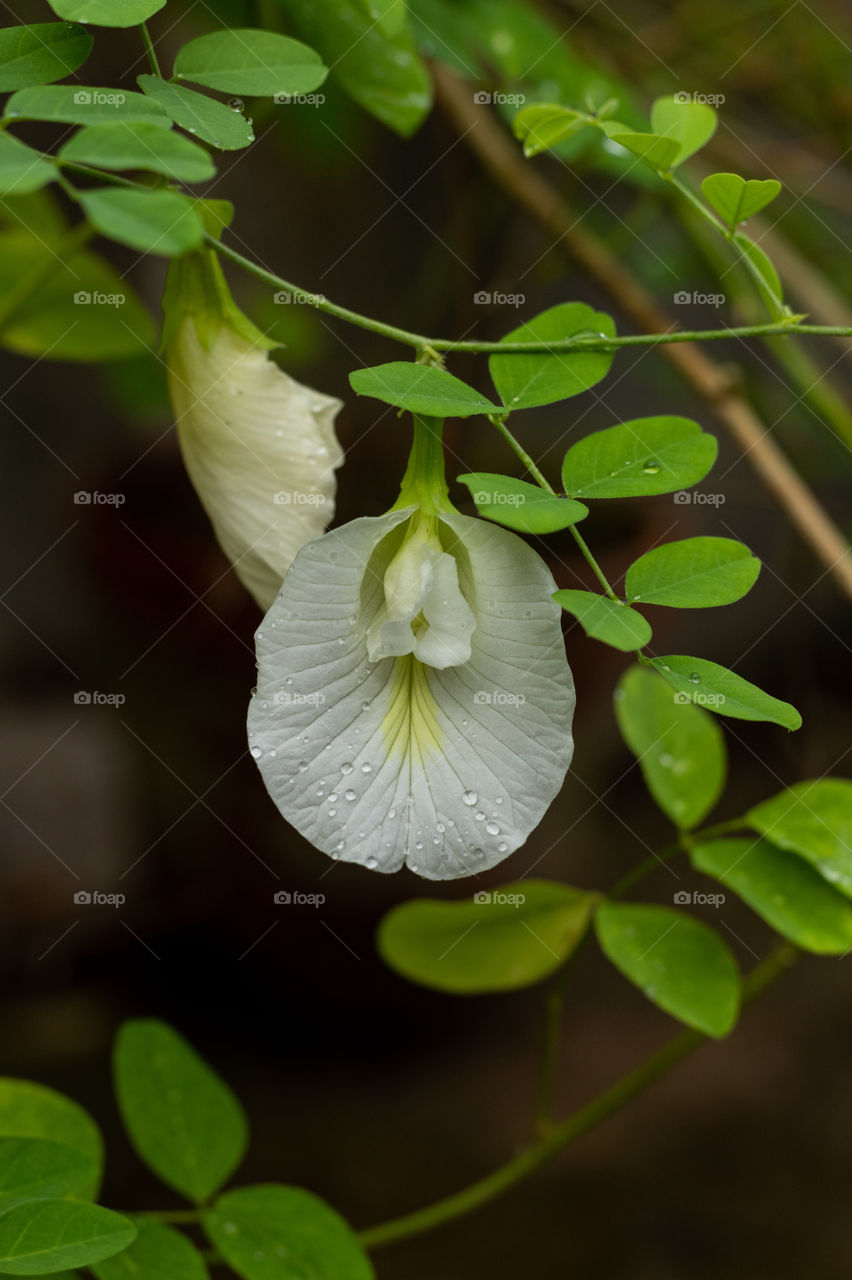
point(203, 117)
point(814, 820)
point(43, 1236)
point(680, 964)
point(545, 124)
point(182, 1118)
point(695, 573)
point(33, 1169)
point(163, 222)
point(783, 890)
point(724, 692)
point(518, 505)
point(525, 381)
point(680, 748)
point(639, 459)
point(420, 388)
point(736, 199)
point(242, 60)
point(29, 1110)
point(499, 940)
point(107, 13)
point(157, 1253)
point(657, 152)
point(21, 168)
point(274, 1232)
point(41, 53)
point(83, 104)
point(608, 620)
point(768, 282)
point(139, 146)
point(689, 124)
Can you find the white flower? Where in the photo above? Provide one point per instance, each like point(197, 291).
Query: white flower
point(414, 702)
point(259, 447)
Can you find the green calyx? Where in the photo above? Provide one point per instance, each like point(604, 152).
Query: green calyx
point(424, 484)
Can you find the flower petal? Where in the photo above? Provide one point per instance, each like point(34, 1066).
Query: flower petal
point(260, 450)
point(383, 763)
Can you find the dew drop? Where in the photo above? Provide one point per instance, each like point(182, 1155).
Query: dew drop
point(470, 797)
point(695, 678)
point(332, 813)
point(366, 768)
point(350, 795)
point(666, 760)
point(492, 828)
point(418, 845)
point(303, 765)
point(347, 768)
point(651, 468)
point(256, 752)
point(371, 864)
point(501, 848)
point(332, 799)
point(480, 816)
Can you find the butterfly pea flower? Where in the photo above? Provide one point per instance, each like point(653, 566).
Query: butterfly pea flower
point(259, 447)
point(414, 702)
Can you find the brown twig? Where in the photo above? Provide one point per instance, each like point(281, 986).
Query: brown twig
point(486, 137)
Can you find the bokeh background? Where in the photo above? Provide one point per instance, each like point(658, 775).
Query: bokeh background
point(374, 1093)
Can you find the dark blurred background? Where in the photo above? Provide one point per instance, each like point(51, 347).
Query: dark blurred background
point(376, 1094)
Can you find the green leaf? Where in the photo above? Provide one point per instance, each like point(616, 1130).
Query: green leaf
point(608, 620)
point(107, 13)
point(204, 117)
point(420, 388)
point(814, 820)
point(83, 104)
point(736, 199)
point(21, 168)
point(545, 124)
point(724, 692)
point(690, 124)
point(518, 505)
point(157, 1253)
point(242, 60)
point(162, 222)
point(43, 1236)
point(273, 1232)
point(694, 573)
point(182, 1119)
point(768, 284)
point(76, 305)
point(680, 748)
point(677, 962)
point(32, 1169)
point(29, 1110)
point(374, 59)
point(499, 940)
point(525, 381)
point(639, 459)
point(787, 893)
point(657, 152)
point(139, 146)
point(40, 53)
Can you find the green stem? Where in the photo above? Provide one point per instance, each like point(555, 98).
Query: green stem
point(151, 52)
point(424, 484)
point(575, 1126)
point(554, 1008)
point(644, 868)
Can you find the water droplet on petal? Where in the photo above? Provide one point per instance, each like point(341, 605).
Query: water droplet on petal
point(347, 768)
point(470, 797)
point(350, 795)
point(480, 816)
point(256, 752)
point(492, 828)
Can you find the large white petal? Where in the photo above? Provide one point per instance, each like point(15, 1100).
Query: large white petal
point(391, 762)
point(260, 450)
